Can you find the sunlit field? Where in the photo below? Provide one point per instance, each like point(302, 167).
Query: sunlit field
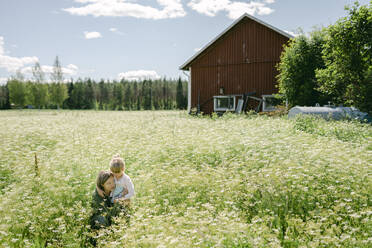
point(232, 181)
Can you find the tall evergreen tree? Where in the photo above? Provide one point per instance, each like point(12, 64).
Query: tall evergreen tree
point(103, 94)
point(156, 95)
point(147, 92)
point(134, 96)
point(4, 97)
point(69, 103)
point(89, 96)
point(118, 96)
point(77, 95)
point(143, 93)
point(179, 96)
point(165, 94)
point(128, 96)
point(185, 94)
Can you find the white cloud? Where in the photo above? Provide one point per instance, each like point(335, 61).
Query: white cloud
point(269, 1)
point(92, 35)
point(1, 45)
point(116, 31)
point(12, 64)
point(171, 9)
point(3, 80)
point(138, 75)
point(72, 67)
point(234, 9)
point(291, 33)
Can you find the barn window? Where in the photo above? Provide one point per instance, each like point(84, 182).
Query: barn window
point(224, 103)
point(269, 103)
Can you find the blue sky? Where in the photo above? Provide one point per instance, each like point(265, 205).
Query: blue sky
point(111, 39)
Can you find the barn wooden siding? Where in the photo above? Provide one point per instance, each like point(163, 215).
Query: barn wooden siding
point(242, 60)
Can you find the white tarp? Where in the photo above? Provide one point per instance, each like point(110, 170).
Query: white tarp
point(336, 113)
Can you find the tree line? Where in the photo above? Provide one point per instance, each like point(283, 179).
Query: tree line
point(331, 64)
point(160, 94)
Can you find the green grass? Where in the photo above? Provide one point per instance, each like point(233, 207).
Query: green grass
point(234, 181)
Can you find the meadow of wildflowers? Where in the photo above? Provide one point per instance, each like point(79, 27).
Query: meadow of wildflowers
point(231, 181)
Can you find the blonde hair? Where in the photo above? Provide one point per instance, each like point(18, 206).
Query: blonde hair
point(117, 164)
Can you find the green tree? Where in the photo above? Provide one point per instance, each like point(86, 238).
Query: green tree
point(147, 94)
point(69, 101)
point(57, 74)
point(77, 95)
point(165, 90)
point(156, 94)
point(128, 96)
point(185, 94)
point(348, 54)
point(180, 97)
point(135, 96)
point(58, 93)
point(298, 62)
point(38, 93)
point(38, 73)
point(103, 94)
point(118, 96)
point(57, 90)
point(17, 92)
point(4, 97)
point(38, 89)
point(110, 91)
point(89, 95)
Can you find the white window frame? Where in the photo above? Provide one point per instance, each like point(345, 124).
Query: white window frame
point(223, 109)
point(266, 108)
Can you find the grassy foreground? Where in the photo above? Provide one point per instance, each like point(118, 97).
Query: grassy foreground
point(235, 181)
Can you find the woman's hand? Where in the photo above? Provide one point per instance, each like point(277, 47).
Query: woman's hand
point(125, 191)
point(100, 192)
point(125, 202)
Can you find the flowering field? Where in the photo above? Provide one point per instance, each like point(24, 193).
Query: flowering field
point(235, 181)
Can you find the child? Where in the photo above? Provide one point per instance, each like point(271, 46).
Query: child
point(124, 188)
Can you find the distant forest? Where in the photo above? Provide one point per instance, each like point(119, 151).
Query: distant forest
point(160, 94)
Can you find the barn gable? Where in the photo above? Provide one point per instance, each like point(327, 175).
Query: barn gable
point(187, 64)
point(240, 60)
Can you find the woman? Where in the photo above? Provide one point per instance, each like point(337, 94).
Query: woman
point(103, 208)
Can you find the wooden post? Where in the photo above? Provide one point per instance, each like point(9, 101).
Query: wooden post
point(36, 167)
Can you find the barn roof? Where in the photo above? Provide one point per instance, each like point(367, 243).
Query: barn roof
point(186, 65)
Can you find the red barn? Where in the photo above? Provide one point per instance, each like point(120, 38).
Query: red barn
point(241, 60)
